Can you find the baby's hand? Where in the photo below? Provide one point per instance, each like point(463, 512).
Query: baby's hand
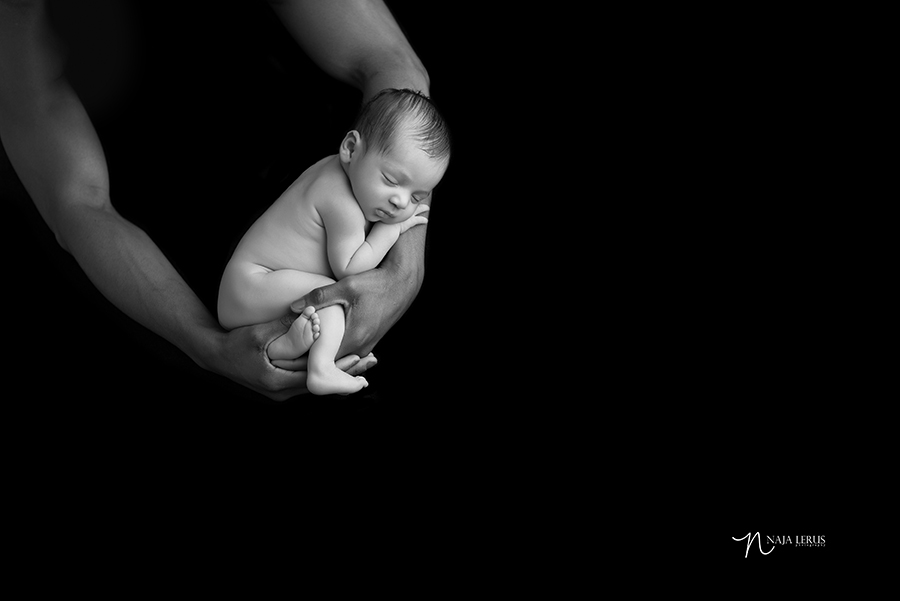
point(416, 218)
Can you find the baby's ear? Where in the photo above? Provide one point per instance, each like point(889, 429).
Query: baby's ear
point(350, 146)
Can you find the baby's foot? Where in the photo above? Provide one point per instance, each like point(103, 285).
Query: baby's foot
point(299, 338)
point(305, 330)
point(332, 380)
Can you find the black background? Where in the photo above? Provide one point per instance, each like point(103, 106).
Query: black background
point(681, 229)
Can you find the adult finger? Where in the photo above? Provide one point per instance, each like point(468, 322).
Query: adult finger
point(298, 364)
point(333, 294)
point(362, 365)
point(346, 363)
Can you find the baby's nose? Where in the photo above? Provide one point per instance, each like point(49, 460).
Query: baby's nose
point(399, 201)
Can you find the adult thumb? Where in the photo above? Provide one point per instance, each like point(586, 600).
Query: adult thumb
point(318, 298)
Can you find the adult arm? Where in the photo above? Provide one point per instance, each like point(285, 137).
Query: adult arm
point(54, 149)
point(355, 41)
point(359, 42)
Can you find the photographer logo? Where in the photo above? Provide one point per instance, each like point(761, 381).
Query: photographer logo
point(778, 540)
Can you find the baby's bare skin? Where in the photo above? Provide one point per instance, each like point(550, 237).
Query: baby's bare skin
point(339, 218)
point(283, 257)
point(291, 233)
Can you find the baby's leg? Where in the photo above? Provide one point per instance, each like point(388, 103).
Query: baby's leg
point(251, 294)
point(324, 377)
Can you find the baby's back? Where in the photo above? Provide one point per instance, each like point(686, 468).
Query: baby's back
point(291, 234)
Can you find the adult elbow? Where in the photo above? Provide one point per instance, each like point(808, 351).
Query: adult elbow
point(418, 74)
point(427, 89)
point(395, 68)
point(65, 213)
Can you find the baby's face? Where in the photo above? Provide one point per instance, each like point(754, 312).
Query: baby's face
point(389, 185)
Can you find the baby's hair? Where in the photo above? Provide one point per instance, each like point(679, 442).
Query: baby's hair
point(392, 112)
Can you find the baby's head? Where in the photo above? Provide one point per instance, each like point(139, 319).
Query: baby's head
point(396, 154)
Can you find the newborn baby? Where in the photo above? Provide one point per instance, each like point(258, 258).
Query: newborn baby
point(339, 218)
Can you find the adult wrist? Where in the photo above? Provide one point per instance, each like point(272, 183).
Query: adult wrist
point(205, 348)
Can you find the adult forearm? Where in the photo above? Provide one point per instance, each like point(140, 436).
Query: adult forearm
point(129, 269)
point(405, 262)
point(57, 155)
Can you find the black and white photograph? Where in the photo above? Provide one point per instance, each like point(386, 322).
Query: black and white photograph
point(571, 247)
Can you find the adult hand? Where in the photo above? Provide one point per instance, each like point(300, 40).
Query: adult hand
point(242, 358)
point(372, 304)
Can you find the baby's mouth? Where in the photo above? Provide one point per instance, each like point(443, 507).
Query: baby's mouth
point(384, 214)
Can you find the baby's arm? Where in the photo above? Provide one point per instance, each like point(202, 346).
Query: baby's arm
point(350, 251)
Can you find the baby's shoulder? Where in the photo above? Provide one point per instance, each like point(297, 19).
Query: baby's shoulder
point(329, 182)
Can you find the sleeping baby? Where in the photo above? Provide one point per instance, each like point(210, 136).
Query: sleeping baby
point(339, 218)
